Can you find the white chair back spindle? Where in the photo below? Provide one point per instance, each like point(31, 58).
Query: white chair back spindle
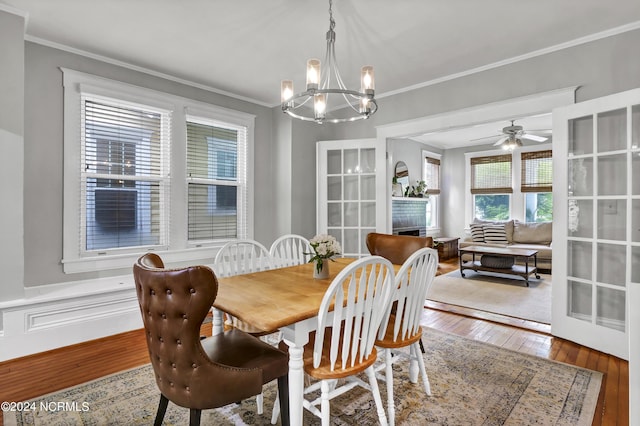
point(290, 250)
point(242, 257)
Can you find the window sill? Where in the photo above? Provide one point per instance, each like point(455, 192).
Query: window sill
point(202, 255)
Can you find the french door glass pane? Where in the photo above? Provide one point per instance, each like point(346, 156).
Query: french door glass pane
point(612, 130)
point(367, 187)
point(351, 214)
point(334, 162)
point(635, 173)
point(368, 214)
point(610, 308)
point(368, 160)
point(579, 259)
point(635, 127)
point(580, 177)
point(611, 263)
point(612, 220)
point(635, 221)
point(351, 188)
point(635, 264)
point(580, 223)
point(351, 161)
point(581, 136)
point(334, 188)
point(580, 296)
point(612, 174)
point(351, 243)
point(334, 213)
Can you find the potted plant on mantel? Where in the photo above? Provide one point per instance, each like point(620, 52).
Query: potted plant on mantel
point(416, 191)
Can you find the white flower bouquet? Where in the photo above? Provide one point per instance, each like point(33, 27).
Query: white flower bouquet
point(324, 247)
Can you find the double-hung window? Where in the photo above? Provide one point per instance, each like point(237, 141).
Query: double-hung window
point(491, 187)
point(124, 180)
point(215, 178)
point(149, 171)
point(431, 176)
point(536, 185)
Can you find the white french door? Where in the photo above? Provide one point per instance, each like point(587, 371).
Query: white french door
point(596, 235)
point(351, 191)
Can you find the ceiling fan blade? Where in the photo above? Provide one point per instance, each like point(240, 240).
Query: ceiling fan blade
point(534, 137)
point(485, 138)
point(501, 140)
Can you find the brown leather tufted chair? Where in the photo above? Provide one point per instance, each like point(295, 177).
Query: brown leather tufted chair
point(396, 248)
point(193, 373)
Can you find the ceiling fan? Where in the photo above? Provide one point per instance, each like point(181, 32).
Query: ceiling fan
point(511, 137)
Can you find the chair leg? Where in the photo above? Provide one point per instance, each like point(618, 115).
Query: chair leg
point(162, 409)
point(194, 417)
point(260, 403)
point(283, 395)
point(391, 407)
point(373, 382)
point(423, 371)
point(275, 412)
point(421, 346)
point(414, 354)
point(324, 403)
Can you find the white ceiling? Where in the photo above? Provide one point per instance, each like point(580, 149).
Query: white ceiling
point(246, 47)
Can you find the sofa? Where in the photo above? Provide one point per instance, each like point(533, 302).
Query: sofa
point(512, 234)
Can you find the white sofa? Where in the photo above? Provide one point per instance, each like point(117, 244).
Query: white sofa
point(533, 236)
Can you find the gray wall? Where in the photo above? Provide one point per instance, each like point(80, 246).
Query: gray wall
point(43, 167)
point(600, 68)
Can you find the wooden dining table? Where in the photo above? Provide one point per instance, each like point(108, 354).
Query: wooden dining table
point(285, 299)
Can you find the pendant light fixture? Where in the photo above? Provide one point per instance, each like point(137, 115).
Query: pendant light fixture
point(321, 102)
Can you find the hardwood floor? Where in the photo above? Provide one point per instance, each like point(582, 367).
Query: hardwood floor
point(38, 374)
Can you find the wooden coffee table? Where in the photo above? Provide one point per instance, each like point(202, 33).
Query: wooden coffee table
point(513, 253)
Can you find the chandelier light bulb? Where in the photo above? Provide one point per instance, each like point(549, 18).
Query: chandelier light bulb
point(319, 105)
point(286, 90)
point(313, 73)
point(366, 77)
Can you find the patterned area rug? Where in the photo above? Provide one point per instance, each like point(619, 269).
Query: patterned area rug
point(497, 293)
point(472, 383)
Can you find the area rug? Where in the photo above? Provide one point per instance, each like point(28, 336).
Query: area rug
point(472, 383)
point(496, 293)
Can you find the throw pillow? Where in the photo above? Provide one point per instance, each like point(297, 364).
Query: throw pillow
point(477, 233)
point(495, 234)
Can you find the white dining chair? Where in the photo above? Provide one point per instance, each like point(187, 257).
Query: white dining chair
point(290, 250)
point(403, 320)
point(351, 312)
point(244, 256)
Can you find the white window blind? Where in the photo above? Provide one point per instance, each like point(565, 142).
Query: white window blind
point(216, 180)
point(537, 171)
point(491, 174)
point(124, 186)
point(432, 175)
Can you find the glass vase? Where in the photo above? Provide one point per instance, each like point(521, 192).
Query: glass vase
point(321, 270)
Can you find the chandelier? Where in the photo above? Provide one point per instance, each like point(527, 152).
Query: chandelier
point(313, 104)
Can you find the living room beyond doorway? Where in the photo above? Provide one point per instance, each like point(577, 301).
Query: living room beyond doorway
point(452, 265)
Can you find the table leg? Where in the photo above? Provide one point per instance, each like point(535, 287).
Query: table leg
point(535, 263)
point(296, 383)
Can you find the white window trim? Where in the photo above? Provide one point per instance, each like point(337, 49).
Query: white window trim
point(179, 250)
point(433, 230)
point(516, 201)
